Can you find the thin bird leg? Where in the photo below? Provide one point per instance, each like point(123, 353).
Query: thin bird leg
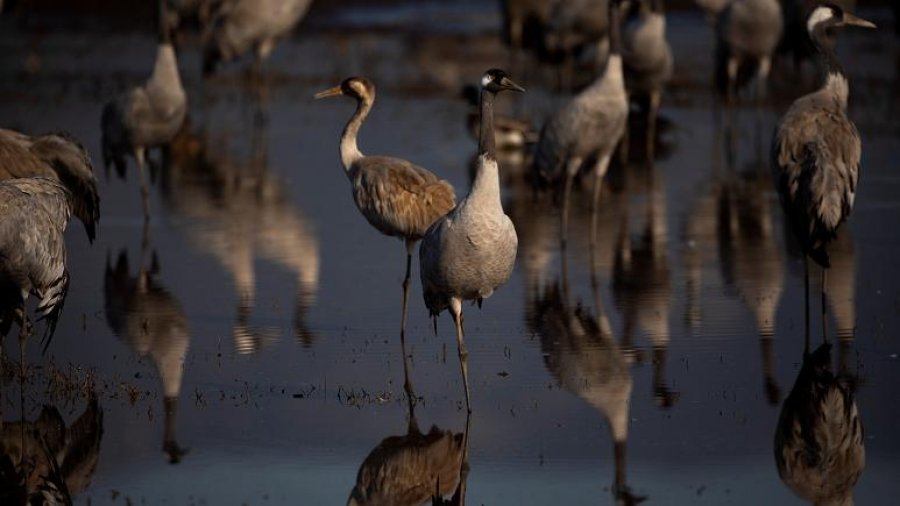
point(599, 173)
point(139, 155)
point(732, 80)
point(805, 305)
point(407, 385)
point(456, 311)
point(464, 464)
point(765, 66)
point(564, 223)
point(653, 112)
point(25, 330)
point(824, 312)
point(772, 390)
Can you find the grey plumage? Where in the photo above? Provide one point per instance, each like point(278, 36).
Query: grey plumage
point(147, 116)
point(34, 213)
point(819, 442)
point(587, 129)
point(747, 33)
point(647, 60)
point(242, 26)
point(471, 251)
point(57, 156)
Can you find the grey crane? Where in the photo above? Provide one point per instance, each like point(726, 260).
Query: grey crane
point(577, 29)
point(56, 156)
point(647, 60)
point(397, 197)
point(471, 251)
point(34, 213)
point(146, 116)
point(796, 38)
point(747, 33)
point(141, 312)
point(524, 22)
point(819, 442)
point(241, 26)
point(46, 461)
point(816, 152)
point(587, 129)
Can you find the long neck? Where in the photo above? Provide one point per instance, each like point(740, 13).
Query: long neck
point(486, 144)
point(165, 71)
point(349, 149)
point(835, 80)
point(486, 186)
point(615, 29)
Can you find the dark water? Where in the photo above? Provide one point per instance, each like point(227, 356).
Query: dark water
point(248, 351)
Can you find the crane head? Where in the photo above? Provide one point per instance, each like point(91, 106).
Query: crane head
point(359, 88)
point(496, 80)
point(829, 16)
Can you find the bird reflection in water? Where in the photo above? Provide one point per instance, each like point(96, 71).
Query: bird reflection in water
point(584, 357)
point(148, 318)
point(411, 469)
point(641, 281)
point(46, 462)
point(237, 212)
point(819, 443)
point(750, 257)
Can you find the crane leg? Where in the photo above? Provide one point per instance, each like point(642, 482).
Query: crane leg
point(599, 174)
point(456, 311)
point(407, 384)
point(140, 156)
point(730, 93)
point(824, 311)
point(25, 329)
point(653, 112)
point(805, 305)
point(772, 390)
point(564, 223)
point(765, 67)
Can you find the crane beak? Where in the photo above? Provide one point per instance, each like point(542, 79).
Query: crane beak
point(330, 92)
point(850, 19)
point(509, 85)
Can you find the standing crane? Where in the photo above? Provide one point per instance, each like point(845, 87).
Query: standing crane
point(747, 33)
point(587, 129)
point(34, 213)
point(398, 198)
point(241, 26)
point(146, 116)
point(56, 156)
point(816, 152)
point(647, 60)
point(471, 251)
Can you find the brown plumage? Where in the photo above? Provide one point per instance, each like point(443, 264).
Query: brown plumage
point(397, 197)
point(56, 156)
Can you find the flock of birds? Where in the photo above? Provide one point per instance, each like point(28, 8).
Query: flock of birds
point(469, 246)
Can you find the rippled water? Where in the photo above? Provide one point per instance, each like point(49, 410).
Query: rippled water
point(245, 348)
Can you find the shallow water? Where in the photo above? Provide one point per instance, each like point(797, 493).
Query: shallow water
point(247, 352)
